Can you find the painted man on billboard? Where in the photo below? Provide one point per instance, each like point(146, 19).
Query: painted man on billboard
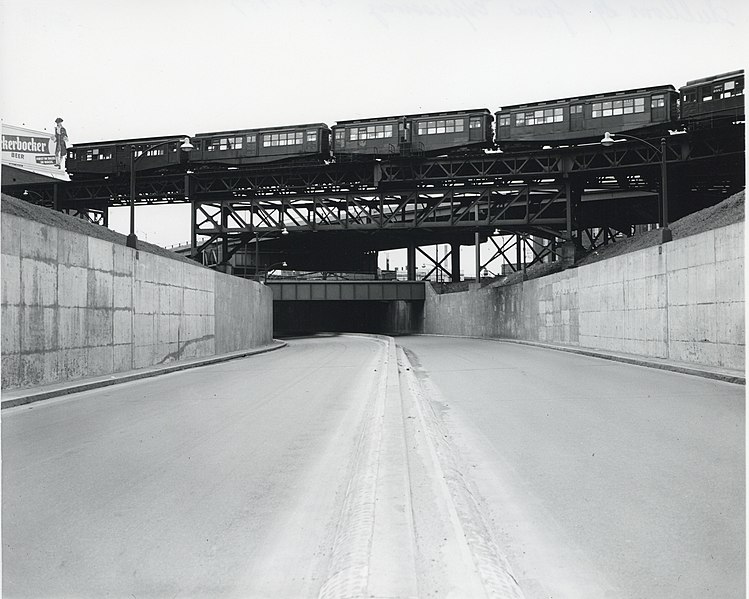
point(61, 142)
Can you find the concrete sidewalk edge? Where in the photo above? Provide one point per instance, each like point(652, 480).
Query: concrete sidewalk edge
point(725, 375)
point(19, 397)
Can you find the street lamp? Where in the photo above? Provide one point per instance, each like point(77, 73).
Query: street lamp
point(186, 146)
point(609, 140)
point(270, 268)
point(37, 196)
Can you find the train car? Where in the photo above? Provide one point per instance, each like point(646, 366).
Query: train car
point(109, 158)
point(713, 100)
point(429, 134)
point(256, 146)
point(586, 118)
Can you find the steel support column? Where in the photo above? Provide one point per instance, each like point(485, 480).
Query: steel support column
point(455, 262)
point(193, 229)
point(477, 244)
point(411, 262)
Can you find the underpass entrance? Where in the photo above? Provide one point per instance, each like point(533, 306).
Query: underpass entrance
point(385, 307)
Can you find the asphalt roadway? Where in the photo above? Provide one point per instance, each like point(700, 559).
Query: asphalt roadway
point(471, 468)
point(601, 479)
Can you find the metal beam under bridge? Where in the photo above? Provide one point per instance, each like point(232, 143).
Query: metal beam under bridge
point(347, 290)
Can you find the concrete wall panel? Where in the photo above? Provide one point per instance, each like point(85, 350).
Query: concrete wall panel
point(76, 306)
point(683, 300)
point(11, 272)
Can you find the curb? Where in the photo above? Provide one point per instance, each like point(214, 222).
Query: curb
point(682, 368)
point(27, 396)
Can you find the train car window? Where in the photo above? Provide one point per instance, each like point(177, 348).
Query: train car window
point(576, 109)
point(520, 119)
point(504, 121)
point(156, 152)
point(97, 154)
point(311, 135)
point(251, 139)
point(658, 101)
point(475, 123)
point(371, 132)
point(441, 126)
point(618, 107)
point(230, 143)
point(290, 138)
point(558, 115)
point(340, 134)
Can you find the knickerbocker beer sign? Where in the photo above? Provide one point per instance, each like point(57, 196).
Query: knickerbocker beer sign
point(35, 151)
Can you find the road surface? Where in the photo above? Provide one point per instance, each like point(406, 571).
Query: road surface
point(468, 468)
point(602, 479)
point(224, 480)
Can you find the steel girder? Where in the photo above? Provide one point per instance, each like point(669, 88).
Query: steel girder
point(537, 204)
point(548, 193)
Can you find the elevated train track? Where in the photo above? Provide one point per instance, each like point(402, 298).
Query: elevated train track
point(329, 216)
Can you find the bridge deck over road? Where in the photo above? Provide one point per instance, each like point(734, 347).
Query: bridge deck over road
point(347, 290)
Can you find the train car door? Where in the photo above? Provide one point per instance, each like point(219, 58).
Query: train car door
point(503, 126)
point(577, 117)
point(311, 141)
point(251, 145)
point(658, 108)
point(475, 128)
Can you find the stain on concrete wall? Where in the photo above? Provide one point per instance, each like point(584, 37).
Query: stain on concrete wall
point(76, 306)
point(683, 301)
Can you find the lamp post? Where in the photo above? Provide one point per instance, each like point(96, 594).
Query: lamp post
point(186, 146)
point(270, 268)
point(608, 140)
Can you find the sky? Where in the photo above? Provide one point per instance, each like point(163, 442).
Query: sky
point(120, 69)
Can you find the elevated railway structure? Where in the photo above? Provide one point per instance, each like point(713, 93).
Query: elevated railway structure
point(338, 216)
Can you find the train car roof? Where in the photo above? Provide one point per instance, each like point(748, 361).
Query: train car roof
point(139, 140)
point(638, 90)
point(258, 129)
point(714, 78)
point(413, 116)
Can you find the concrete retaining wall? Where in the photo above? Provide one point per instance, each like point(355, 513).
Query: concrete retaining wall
point(76, 306)
point(682, 301)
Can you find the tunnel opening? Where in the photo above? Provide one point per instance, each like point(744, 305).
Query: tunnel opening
point(399, 317)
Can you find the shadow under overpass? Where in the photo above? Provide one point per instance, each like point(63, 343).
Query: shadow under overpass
point(396, 317)
point(384, 307)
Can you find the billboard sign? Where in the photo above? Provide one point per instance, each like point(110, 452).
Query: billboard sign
point(35, 151)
